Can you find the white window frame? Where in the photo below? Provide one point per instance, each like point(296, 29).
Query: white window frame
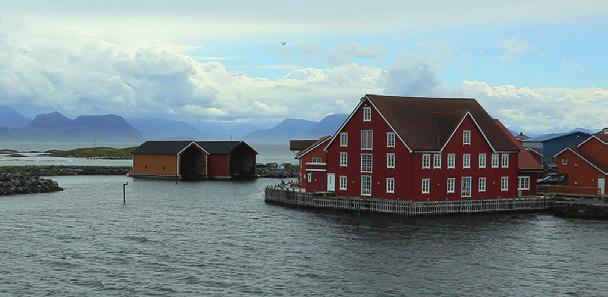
point(463, 193)
point(343, 139)
point(363, 183)
point(466, 161)
point(343, 182)
point(451, 185)
point(390, 185)
point(504, 184)
point(343, 159)
point(451, 161)
point(391, 139)
point(466, 137)
point(565, 161)
point(526, 184)
point(426, 186)
point(482, 184)
point(495, 160)
point(371, 163)
point(367, 113)
point(504, 161)
point(309, 177)
point(390, 160)
point(426, 161)
point(437, 161)
point(371, 139)
point(316, 160)
point(482, 160)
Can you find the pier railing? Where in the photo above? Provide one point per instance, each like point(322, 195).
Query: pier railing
point(291, 197)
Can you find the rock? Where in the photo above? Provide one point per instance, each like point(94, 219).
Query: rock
point(25, 183)
point(8, 151)
point(16, 155)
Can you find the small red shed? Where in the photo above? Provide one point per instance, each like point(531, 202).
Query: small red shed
point(312, 160)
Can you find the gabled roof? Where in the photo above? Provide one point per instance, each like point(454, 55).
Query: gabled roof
point(311, 147)
point(163, 147)
point(426, 124)
point(526, 160)
point(552, 136)
point(221, 147)
point(586, 157)
point(301, 144)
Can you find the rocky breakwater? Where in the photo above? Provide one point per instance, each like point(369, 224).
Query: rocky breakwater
point(23, 183)
point(60, 170)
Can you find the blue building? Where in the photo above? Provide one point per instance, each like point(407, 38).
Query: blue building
point(550, 144)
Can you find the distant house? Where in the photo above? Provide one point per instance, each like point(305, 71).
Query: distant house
point(299, 145)
point(193, 160)
point(550, 144)
point(585, 167)
point(312, 160)
point(418, 149)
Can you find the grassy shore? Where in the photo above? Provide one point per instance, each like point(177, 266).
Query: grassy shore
point(96, 153)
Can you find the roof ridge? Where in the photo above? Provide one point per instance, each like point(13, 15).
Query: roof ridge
point(421, 97)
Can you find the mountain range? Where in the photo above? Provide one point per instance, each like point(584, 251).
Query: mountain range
point(54, 126)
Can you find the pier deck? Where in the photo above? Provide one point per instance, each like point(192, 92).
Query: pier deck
point(278, 195)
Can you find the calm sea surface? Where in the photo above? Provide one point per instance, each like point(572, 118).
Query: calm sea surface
point(220, 239)
point(267, 153)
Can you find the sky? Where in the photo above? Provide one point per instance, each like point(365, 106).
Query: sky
point(538, 66)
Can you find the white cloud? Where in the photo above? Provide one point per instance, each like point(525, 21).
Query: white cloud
point(513, 47)
point(542, 109)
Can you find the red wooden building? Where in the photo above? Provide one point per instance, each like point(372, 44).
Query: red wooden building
point(312, 160)
point(585, 167)
point(423, 149)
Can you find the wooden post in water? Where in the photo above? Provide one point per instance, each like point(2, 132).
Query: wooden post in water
point(124, 193)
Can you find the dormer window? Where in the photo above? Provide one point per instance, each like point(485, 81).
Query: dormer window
point(466, 137)
point(367, 113)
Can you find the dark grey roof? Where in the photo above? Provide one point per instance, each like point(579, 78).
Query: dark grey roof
point(221, 147)
point(161, 147)
point(172, 147)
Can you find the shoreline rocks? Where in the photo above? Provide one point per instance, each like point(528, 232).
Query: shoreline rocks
point(23, 183)
point(63, 170)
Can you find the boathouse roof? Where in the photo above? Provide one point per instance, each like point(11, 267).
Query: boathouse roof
point(173, 147)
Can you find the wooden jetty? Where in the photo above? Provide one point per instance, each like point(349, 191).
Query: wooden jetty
point(292, 197)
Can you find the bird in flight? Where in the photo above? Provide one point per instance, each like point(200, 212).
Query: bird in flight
point(283, 43)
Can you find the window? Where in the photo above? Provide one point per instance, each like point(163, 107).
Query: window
point(390, 160)
point(366, 163)
point(482, 184)
point(466, 160)
point(316, 160)
point(367, 138)
point(451, 185)
point(390, 185)
point(565, 161)
point(390, 139)
point(426, 185)
point(505, 161)
point(343, 139)
point(482, 160)
point(465, 186)
point(426, 161)
point(343, 182)
point(523, 183)
point(309, 177)
point(494, 160)
point(466, 137)
point(367, 113)
point(451, 161)
point(437, 161)
point(366, 185)
point(504, 183)
point(343, 159)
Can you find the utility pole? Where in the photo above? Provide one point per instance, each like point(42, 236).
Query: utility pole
point(124, 193)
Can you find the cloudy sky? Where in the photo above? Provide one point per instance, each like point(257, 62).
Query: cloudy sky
point(537, 65)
